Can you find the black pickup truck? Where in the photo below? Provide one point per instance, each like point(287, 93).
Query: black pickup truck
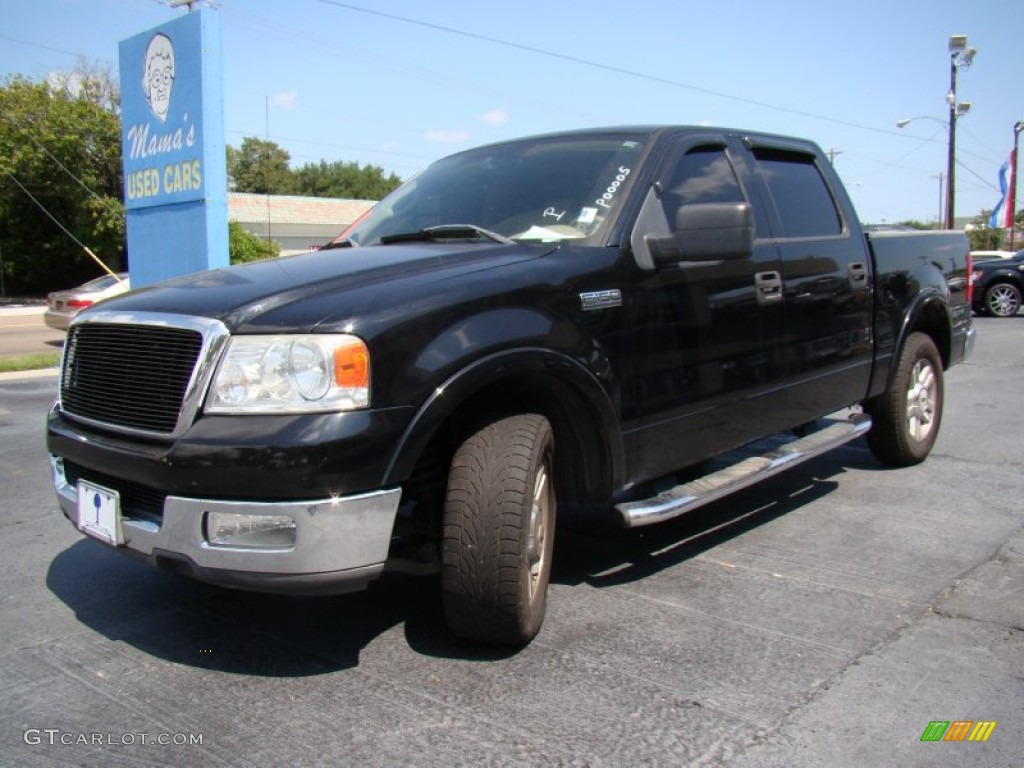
point(567, 320)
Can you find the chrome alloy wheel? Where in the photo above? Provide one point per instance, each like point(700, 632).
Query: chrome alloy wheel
point(540, 519)
point(922, 399)
point(1003, 300)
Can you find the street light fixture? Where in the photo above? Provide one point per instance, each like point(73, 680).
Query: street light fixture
point(960, 55)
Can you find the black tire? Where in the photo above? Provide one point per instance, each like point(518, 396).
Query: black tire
point(499, 526)
point(907, 417)
point(1002, 300)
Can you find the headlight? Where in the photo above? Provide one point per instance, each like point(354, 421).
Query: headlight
point(300, 373)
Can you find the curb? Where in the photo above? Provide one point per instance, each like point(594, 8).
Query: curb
point(40, 373)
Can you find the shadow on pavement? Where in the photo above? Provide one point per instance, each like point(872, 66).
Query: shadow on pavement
point(186, 622)
point(608, 557)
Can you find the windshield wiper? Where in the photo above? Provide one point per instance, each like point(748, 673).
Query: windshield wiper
point(447, 232)
point(346, 243)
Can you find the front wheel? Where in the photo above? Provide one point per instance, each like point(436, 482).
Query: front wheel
point(906, 418)
point(1002, 300)
point(499, 525)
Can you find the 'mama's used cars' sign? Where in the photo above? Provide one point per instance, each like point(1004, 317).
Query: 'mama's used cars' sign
point(162, 113)
point(172, 132)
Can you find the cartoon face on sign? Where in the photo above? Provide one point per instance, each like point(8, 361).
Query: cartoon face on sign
point(158, 76)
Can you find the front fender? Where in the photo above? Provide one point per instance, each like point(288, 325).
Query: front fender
point(573, 388)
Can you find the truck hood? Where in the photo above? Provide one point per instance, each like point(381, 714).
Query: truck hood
point(299, 293)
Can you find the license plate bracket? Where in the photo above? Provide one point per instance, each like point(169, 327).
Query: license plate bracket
point(99, 513)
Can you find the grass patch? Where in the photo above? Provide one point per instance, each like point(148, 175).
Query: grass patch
point(29, 362)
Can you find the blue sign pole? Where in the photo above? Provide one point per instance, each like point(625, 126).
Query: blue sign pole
point(172, 133)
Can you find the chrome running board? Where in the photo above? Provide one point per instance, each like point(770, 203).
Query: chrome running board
point(746, 472)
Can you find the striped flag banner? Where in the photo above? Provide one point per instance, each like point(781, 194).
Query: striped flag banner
point(1002, 214)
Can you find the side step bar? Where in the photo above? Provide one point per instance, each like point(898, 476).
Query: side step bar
point(746, 472)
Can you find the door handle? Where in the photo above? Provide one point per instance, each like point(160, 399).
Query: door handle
point(769, 287)
point(858, 274)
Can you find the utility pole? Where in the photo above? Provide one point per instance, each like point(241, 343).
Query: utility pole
point(266, 164)
point(940, 177)
point(832, 154)
point(1012, 193)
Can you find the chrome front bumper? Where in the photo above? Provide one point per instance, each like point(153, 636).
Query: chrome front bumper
point(341, 543)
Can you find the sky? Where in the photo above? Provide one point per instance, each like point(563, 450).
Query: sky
point(400, 83)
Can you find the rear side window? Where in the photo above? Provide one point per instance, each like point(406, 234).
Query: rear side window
point(802, 199)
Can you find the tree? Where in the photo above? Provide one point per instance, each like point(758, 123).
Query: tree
point(915, 224)
point(345, 180)
point(244, 246)
point(60, 149)
point(259, 166)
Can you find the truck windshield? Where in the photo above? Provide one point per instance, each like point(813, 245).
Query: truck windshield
point(539, 190)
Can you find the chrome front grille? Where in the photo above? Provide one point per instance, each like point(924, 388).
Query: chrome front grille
point(141, 373)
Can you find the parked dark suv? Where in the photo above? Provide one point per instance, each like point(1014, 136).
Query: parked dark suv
point(999, 285)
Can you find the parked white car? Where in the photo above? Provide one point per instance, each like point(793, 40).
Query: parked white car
point(62, 306)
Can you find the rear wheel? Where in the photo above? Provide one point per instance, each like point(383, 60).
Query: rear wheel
point(499, 525)
point(907, 417)
point(1002, 300)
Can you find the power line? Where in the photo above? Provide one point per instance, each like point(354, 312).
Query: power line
point(64, 229)
point(603, 66)
point(105, 201)
point(56, 50)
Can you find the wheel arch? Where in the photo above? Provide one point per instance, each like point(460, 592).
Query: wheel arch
point(590, 457)
point(929, 314)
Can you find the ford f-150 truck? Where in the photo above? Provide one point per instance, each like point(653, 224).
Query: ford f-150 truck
point(564, 321)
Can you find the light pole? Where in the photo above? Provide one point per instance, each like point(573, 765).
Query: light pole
point(1012, 193)
point(961, 109)
point(959, 56)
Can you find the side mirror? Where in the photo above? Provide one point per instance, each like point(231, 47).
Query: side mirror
point(706, 232)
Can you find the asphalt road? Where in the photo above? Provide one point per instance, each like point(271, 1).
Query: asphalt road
point(23, 332)
point(823, 618)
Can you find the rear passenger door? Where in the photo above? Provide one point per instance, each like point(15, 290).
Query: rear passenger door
point(825, 277)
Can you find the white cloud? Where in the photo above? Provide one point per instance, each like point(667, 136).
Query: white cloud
point(446, 137)
point(494, 116)
point(285, 99)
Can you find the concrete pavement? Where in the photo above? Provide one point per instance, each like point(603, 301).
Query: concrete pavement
point(822, 618)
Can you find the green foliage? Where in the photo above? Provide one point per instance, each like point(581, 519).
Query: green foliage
point(245, 246)
point(259, 166)
point(32, 362)
point(915, 224)
point(983, 238)
point(71, 121)
point(343, 180)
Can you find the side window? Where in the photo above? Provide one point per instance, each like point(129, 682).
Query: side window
point(703, 175)
point(802, 198)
